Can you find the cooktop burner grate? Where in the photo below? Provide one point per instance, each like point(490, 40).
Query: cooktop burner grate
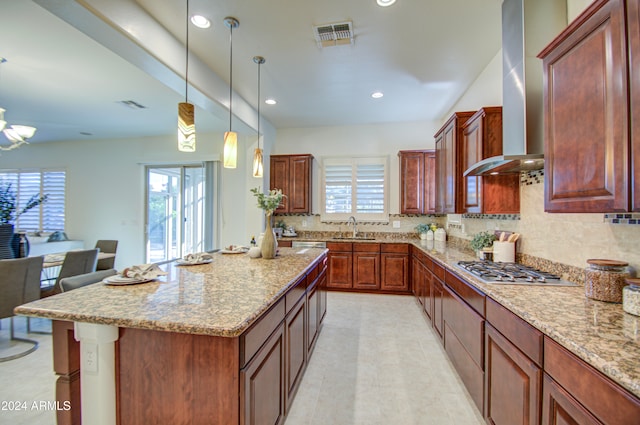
point(511, 273)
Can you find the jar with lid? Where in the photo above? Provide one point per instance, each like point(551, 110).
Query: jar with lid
point(631, 296)
point(604, 280)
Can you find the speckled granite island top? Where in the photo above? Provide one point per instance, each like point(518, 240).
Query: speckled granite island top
point(222, 298)
point(600, 333)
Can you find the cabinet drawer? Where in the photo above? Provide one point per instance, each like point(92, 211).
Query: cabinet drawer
point(340, 246)
point(470, 373)
point(401, 248)
point(472, 296)
point(366, 247)
point(606, 400)
point(253, 338)
point(524, 336)
point(295, 293)
point(437, 270)
point(466, 324)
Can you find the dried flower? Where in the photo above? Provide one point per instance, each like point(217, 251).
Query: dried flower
point(269, 202)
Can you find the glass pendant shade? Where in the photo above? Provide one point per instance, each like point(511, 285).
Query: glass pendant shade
point(257, 163)
point(186, 128)
point(230, 154)
point(3, 123)
point(19, 133)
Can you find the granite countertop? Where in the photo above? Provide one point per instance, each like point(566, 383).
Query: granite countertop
point(222, 298)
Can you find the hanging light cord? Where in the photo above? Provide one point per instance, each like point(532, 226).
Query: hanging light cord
point(259, 104)
point(186, 74)
point(230, 71)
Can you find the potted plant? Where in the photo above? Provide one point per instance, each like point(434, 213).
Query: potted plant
point(422, 229)
point(268, 202)
point(481, 241)
point(9, 212)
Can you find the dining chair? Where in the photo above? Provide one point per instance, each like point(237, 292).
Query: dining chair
point(75, 282)
point(74, 264)
point(19, 284)
point(110, 247)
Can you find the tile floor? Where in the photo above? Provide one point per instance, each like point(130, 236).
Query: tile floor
point(377, 361)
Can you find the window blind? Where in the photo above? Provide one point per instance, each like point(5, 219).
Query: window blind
point(48, 216)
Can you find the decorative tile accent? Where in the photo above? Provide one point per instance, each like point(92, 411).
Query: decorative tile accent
point(492, 216)
point(531, 177)
point(622, 218)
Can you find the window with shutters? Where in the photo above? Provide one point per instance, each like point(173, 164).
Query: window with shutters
point(48, 216)
point(355, 187)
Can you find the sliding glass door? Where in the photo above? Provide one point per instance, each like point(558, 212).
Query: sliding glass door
point(179, 200)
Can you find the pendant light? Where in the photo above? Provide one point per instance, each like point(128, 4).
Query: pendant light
point(257, 154)
point(230, 155)
point(186, 120)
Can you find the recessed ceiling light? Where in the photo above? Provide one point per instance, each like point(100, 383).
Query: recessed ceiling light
point(270, 101)
point(200, 21)
point(385, 3)
point(377, 94)
point(494, 173)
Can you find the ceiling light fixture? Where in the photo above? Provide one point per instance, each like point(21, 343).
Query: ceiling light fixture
point(270, 101)
point(200, 21)
point(230, 154)
point(186, 120)
point(257, 154)
point(377, 95)
point(17, 134)
point(385, 3)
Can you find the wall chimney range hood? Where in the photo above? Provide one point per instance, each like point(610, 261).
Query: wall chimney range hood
point(527, 27)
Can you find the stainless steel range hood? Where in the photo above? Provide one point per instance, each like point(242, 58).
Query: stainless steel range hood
point(527, 27)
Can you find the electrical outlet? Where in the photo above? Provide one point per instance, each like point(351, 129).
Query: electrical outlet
point(90, 357)
point(396, 224)
point(304, 223)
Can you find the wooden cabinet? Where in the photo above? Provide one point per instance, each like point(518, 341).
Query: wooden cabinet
point(575, 393)
point(482, 138)
point(591, 133)
point(285, 243)
point(448, 169)
point(340, 267)
point(366, 266)
point(296, 347)
point(313, 315)
point(292, 174)
point(395, 267)
point(633, 34)
point(417, 182)
point(513, 368)
point(263, 386)
point(437, 296)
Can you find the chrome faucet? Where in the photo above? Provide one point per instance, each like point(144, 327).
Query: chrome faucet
point(355, 226)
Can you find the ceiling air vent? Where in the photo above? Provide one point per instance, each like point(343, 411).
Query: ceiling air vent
point(337, 34)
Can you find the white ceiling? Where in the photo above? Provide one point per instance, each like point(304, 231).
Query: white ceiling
point(422, 54)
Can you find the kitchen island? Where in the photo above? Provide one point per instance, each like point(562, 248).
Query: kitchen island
point(225, 342)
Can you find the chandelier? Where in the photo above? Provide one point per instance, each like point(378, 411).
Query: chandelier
point(17, 134)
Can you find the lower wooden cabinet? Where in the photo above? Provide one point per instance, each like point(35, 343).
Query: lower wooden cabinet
point(340, 268)
point(395, 267)
point(313, 315)
point(296, 346)
point(262, 383)
point(559, 408)
point(366, 266)
point(437, 295)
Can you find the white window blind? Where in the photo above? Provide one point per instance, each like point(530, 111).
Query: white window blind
point(48, 216)
point(355, 187)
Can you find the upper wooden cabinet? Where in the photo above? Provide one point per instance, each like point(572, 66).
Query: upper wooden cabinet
point(591, 111)
point(448, 169)
point(482, 138)
point(292, 174)
point(417, 182)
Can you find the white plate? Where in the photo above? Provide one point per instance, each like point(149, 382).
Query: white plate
point(121, 280)
point(240, 251)
point(182, 262)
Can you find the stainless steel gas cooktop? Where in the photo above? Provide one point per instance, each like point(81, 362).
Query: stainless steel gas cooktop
point(511, 274)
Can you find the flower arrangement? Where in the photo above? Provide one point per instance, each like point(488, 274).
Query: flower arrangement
point(9, 204)
point(422, 228)
point(482, 240)
point(268, 202)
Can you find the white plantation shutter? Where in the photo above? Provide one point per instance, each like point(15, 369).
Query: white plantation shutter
point(355, 187)
point(48, 216)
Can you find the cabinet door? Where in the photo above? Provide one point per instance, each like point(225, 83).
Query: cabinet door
point(263, 386)
point(366, 270)
point(340, 270)
point(586, 115)
point(313, 317)
point(471, 154)
point(633, 28)
point(395, 272)
point(430, 202)
point(427, 288)
point(322, 282)
point(411, 182)
point(440, 172)
point(416, 279)
point(279, 179)
point(512, 383)
point(299, 184)
point(437, 293)
point(559, 408)
point(449, 177)
point(296, 345)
